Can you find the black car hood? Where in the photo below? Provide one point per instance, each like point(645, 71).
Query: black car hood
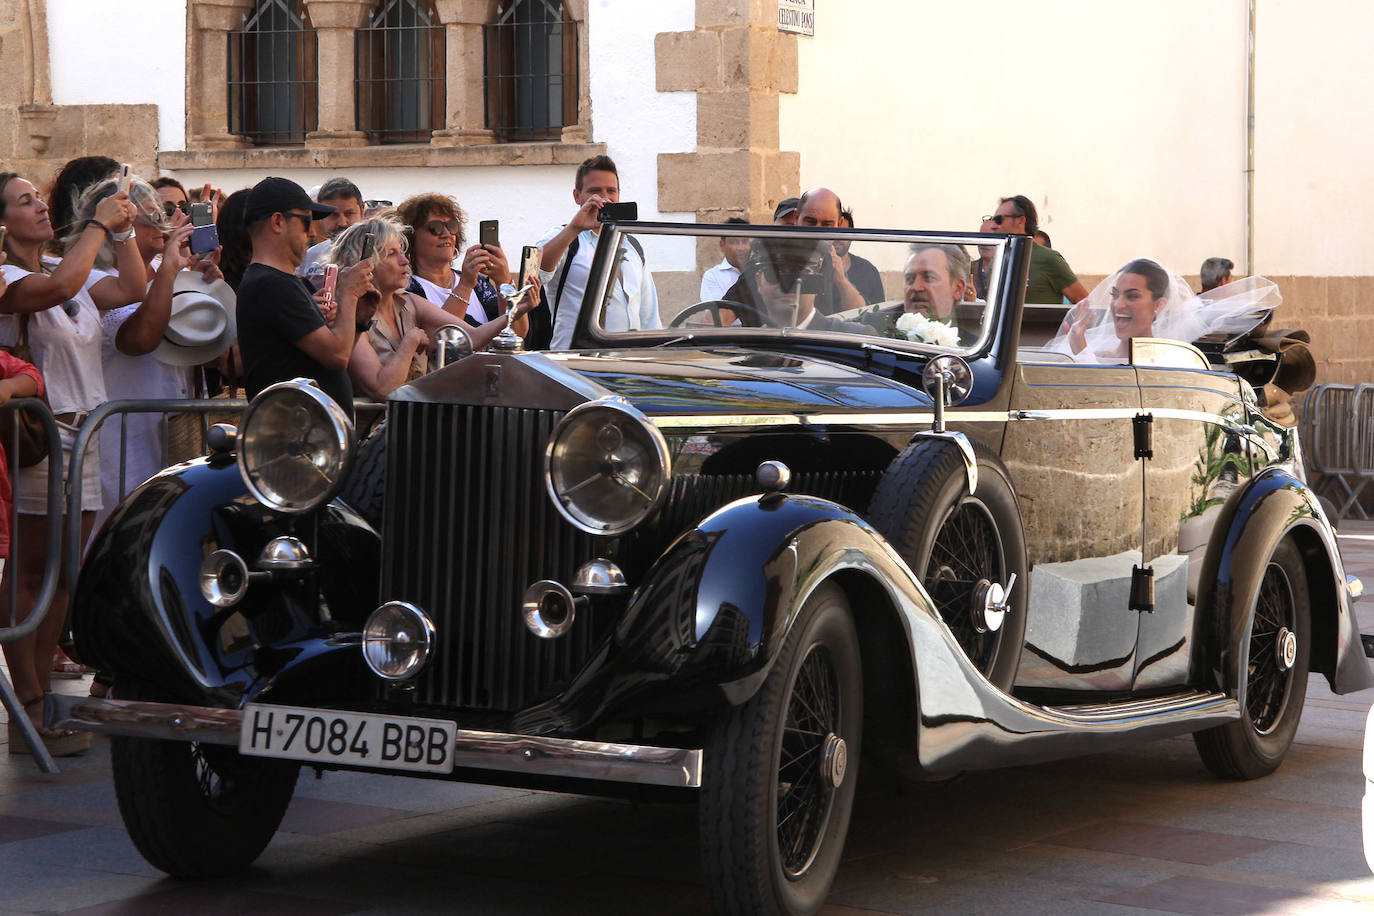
point(714, 382)
point(731, 380)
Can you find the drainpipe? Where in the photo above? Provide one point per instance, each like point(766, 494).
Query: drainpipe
point(1250, 137)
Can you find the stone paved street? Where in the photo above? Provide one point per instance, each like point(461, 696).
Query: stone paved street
point(1137, 831)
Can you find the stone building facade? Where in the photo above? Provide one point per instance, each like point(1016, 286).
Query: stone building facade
point(712, 112)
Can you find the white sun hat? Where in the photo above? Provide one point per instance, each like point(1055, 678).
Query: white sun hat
point(201, 326)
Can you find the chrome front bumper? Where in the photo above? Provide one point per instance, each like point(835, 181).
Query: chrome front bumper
point(564, 757)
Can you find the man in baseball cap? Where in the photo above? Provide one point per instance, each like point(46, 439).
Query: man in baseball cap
point(276, 195)
point(282, 332)
point(785, 214)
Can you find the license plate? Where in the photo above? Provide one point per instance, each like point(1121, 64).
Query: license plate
point(352, 738)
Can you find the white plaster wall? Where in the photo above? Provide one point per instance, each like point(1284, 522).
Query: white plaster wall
point(635, 121)
point(1314, 139)
point(1124, 123)
point(103, 53)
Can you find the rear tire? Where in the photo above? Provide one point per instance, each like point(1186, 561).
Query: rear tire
point(198, 810)
point(773, 811)
point(1255, 745)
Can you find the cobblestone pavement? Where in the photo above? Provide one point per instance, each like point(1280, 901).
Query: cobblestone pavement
point(1134, 831)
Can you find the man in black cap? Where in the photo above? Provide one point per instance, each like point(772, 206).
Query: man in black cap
point(785, 214)
point(282, 332)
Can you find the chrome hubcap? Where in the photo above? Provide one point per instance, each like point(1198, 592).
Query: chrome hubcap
point(1286, 647)
point(989, 607)
point(834, 760)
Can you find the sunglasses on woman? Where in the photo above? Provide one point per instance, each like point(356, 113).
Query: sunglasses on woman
point(436, 227)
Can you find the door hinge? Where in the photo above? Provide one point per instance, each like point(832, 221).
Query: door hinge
point(1143, 588)
point(1143, 427)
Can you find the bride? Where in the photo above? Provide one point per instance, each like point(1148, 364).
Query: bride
point(1142, 299)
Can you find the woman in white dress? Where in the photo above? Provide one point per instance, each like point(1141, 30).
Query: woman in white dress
point(63, 327)
point(1142, 299)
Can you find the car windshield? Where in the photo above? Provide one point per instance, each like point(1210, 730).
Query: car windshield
point(900, 289)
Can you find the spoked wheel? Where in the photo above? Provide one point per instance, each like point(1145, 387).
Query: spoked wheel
point(1275, 672)
point(967, 554)
point(198, 810)
point(779, 787)
point(960, 546)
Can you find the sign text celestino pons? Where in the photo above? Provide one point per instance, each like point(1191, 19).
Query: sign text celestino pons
point(797, 16)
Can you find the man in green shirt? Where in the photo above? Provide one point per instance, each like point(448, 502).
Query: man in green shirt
point(1051, 279)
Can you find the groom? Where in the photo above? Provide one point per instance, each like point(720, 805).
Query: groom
point(935, 278)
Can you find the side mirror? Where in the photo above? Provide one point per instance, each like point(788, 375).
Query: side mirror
point(948, 380)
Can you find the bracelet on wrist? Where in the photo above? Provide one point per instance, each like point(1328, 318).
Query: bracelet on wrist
point(97, 224)
point(122, 236)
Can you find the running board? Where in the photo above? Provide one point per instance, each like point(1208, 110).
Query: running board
point(1186, 703)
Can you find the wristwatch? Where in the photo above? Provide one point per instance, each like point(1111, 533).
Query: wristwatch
point(122, 236)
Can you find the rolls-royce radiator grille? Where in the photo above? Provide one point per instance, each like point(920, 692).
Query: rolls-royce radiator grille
point(468, 526)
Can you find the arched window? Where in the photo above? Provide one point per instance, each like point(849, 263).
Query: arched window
point(531, 64)
point(400, 72)
point(273, 91)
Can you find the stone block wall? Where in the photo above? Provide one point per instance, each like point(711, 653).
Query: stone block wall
point(37, 137)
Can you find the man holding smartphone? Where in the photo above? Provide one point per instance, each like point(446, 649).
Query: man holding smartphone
point(567, 261)
point(282, 333)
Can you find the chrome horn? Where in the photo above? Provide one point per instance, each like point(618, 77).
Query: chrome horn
point(451, 343)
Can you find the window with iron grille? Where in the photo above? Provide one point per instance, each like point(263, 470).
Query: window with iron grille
point(273, 89)
point(531, 70)
point(400, 78)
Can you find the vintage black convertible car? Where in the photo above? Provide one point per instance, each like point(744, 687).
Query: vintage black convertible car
point(719, 551)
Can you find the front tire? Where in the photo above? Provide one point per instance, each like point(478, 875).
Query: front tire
point(956, 542)
point(198, 810)
point(1275, 689)
point(782, 768)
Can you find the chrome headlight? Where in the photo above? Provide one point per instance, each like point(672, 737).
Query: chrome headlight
point(295, 446)
point(607, 466)
point(397, 640)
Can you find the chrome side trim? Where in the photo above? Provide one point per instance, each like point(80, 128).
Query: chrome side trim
point(566, 757)
point(677, 421)
point(726, 421)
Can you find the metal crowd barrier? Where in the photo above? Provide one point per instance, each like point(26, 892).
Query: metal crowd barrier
point(67, 542)
point(15, 625)
point(1337, 433)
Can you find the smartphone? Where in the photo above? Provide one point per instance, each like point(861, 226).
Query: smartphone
point(488, 232)
point(124, 177)
point(369, 243)
point(529, 263)
point(624, 212)
point(204, 234)
point(331, 278)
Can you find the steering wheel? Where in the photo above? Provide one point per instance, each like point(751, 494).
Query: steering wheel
point(714, 306)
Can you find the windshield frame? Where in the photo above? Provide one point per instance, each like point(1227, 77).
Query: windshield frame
point(589, 334)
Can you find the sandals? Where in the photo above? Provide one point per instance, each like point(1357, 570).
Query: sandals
point(59, 742)
point(62, 666)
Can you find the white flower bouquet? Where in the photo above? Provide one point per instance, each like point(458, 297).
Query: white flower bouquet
point(917, 327)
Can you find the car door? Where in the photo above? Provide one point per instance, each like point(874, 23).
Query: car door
point(1070, 453)
point(1199, 440)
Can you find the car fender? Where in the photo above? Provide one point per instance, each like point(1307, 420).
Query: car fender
point(708, 620)
point(1275, 505)
point(138, 611)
